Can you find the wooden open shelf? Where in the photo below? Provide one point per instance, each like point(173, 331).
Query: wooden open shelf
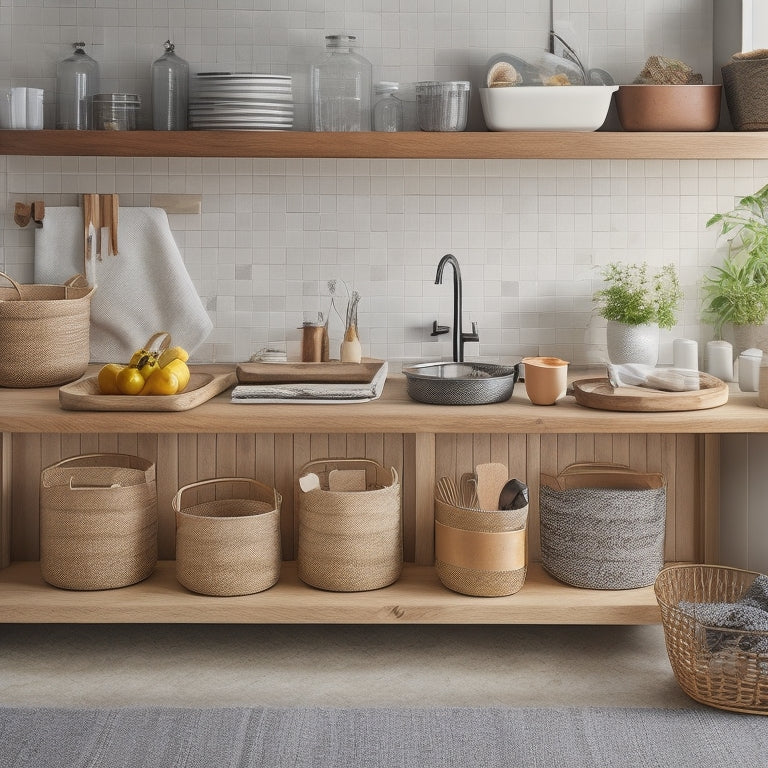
point(464, 145)
point(417, 597)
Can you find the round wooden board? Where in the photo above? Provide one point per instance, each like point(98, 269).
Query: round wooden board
point(598, 393)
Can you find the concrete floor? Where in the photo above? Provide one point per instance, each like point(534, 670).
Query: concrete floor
point(352, 666)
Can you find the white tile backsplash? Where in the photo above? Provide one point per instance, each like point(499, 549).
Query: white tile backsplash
point(272, 233)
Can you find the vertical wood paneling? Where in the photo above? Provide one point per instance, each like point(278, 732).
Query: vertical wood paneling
point(6, 479)
point(276, 459)
point(708, 467)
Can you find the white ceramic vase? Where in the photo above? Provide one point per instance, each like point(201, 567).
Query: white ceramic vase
point(633, 343)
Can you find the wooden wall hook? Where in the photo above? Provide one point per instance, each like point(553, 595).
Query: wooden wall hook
point(24, 212)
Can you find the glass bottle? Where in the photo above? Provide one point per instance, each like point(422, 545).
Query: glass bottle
point(341, 88)
point(170, 91)
point(387, 109)
point(77, 80)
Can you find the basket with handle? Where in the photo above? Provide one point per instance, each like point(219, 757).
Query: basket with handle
point(723, 667)
point(483, 553)
point(602, 525)
point(350, 541)
point(229, 544)
point(45, 331)
point(98, 521)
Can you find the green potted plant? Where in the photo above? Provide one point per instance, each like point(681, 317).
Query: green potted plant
point(735, 294)
point(636, 302)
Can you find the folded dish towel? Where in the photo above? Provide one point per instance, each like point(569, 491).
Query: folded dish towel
point(749, 614)
point(312, 393)
point(664, 379)
point(144, 289)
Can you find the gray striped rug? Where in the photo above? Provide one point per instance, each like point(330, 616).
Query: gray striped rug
point(391, 738)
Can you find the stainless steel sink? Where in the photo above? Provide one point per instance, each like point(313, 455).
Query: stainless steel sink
point(460, 383)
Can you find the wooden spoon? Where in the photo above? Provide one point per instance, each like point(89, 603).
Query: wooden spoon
point(490, 481)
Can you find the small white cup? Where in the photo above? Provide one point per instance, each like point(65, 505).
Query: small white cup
point(34, 109)
point(18, 108)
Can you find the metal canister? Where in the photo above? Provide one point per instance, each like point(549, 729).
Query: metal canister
point(170, 91)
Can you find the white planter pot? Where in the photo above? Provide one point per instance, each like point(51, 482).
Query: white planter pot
point(746, 337)
point(633, 343)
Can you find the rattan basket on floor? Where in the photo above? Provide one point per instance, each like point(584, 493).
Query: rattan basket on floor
point(723, 668)
point(229, 543)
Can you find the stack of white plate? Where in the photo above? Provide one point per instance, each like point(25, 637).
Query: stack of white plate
point(241, 101)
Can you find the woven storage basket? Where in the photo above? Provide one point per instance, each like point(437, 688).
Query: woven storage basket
point(723, 668)
point(98, 521)
point(350, 541)
point(602, 526)
point(228, 545)
point(478, 552)
point(45, 331)
point(746, 92)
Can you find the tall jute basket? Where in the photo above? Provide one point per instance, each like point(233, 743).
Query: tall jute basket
point(602, 526)
point(228, 544)
point(98, 521)
point(479, 552)
point(45, 331)
point(746, 91)
point(350, 541)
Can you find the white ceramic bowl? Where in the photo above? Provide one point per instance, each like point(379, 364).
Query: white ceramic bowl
point(546, 107)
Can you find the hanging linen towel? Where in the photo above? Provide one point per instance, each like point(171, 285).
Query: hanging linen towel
point(143, 290)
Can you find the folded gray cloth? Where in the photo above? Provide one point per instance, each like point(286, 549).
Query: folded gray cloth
point(749, 614)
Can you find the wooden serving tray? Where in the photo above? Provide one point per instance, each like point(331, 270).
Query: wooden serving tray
point(332, 372)
point(598, 393)
point(84, 395)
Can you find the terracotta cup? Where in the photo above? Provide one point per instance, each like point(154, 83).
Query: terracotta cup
point(546, 379)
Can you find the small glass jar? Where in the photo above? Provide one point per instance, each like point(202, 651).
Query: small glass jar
point(341, 88)
point(115, 111)
point(77, 80)
point(387, 108)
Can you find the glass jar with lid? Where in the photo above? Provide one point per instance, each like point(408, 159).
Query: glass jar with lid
point(387, 108)
point(77, 80)
point(170, 91)
point(341, 88)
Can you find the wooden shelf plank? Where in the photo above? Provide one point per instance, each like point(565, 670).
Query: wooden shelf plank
point(463, 145)
point(38, 411)
point(416, 598)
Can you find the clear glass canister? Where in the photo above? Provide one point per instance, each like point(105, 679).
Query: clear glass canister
point(77, 80)
point(170, 91)
point(387, 108)
point(341, 88)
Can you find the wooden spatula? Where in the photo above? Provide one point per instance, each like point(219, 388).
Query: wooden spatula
point(490, 481)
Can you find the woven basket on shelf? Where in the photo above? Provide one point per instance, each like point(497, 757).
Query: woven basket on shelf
point(478, 552)
point(723, 668)
point(350, 541)
point(228, 544)
point(602, 526)
point(746, 91)
point(98, 521)
point(45, 330)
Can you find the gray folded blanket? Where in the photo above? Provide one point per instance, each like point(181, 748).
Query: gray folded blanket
point(749, 614)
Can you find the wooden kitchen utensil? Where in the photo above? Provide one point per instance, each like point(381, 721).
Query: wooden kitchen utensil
point(490, 481)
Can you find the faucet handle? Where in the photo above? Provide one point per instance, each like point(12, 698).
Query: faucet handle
point(438, 330)
point(474, 336)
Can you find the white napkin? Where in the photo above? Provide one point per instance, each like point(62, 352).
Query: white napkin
point(144, 289)
point(312, 393)
point(664, 379)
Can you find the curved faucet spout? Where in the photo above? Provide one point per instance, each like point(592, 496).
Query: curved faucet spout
point(459, 337)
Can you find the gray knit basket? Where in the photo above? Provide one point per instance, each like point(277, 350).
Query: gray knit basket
point(603, 538)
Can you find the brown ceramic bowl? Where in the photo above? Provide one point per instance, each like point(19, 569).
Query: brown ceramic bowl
point(668, 107)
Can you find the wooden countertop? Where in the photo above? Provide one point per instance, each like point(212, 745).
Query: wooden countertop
point(38, 411)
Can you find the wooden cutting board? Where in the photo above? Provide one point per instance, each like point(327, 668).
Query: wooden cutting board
point(333, 372)
point(84, 395)
point(598, 393)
